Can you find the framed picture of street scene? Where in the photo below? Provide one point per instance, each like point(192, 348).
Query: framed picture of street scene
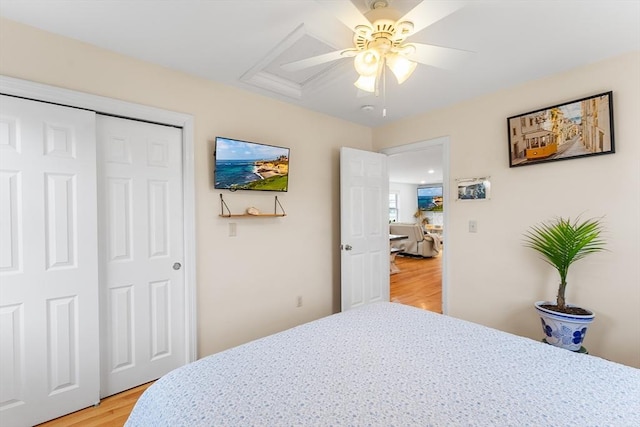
point(579, 128)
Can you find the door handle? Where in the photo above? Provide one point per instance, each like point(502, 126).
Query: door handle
point(347, 247)
point(177, 266)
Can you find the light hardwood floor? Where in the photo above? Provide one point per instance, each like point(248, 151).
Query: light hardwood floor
point(419, 283)
point(113, 411)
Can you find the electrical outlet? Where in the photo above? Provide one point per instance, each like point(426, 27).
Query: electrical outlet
point(232, 229)
point(473, 226)
point(299, 301)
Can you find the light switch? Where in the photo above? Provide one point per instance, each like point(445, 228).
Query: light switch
point(473, 226)
point(232, 229)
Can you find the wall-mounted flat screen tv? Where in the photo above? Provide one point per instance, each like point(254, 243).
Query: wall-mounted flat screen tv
point(243, 165)
point(430, 198)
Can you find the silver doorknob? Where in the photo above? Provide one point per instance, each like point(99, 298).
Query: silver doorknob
point(177, 266)
point(348, 247)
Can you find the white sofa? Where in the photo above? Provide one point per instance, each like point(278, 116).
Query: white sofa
point(418, 242)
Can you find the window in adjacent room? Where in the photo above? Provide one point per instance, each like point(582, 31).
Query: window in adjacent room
point(393, 207)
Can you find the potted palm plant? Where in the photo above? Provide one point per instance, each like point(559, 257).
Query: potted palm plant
point(561, 242)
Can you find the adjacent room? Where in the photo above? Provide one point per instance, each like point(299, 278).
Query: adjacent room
point(416, 218)
point(319, 212)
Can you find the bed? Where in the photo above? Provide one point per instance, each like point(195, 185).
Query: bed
point(387, 364)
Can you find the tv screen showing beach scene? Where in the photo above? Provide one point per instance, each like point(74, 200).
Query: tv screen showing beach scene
point(243, 165)
point(430, 198)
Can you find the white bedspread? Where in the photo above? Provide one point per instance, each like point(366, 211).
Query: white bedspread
point(391, 365)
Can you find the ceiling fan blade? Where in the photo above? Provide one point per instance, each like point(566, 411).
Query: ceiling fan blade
point(345, 11)
point(441, 57)
point(315, 60)
point(429, 12)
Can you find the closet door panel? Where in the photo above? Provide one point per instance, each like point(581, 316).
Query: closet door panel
point(48, 261)
point(141, 229)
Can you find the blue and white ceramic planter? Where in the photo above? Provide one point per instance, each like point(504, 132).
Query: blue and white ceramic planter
point(563, 330)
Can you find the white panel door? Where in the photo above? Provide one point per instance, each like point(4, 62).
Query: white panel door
point(364, 227)
point(141, 252)
point(49, 360)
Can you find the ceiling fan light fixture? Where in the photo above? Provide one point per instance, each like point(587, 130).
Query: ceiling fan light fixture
point(400, 66)
point(405, 49)
point(366, 83)
point(367, 62)
point(364, 31)
point(404, 29)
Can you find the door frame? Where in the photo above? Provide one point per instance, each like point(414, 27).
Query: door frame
point(418, 146)
point(103, 105)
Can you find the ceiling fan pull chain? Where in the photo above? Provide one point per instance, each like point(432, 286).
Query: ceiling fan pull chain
point(384, 89)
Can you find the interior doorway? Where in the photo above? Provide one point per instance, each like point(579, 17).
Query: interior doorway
point(413, 156)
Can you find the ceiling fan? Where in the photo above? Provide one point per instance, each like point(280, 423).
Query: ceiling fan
point(379, 39)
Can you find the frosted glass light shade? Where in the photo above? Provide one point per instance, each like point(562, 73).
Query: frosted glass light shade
point(401, 67)
point(366, 83)
point(367, 62)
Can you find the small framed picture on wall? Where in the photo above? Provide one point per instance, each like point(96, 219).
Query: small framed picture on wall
point(473, 188)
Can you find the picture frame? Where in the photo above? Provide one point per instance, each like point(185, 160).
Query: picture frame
point(473, 188)
point(430, 198)
point(575, 129)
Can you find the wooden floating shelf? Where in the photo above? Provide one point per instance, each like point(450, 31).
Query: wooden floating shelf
point(228, 214)
point(249, 215)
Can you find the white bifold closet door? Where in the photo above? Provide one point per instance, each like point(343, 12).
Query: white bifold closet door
point(49, 360)
point(91, 245)
point(140, 211)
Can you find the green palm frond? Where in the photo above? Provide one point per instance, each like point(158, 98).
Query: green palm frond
point(562, 242)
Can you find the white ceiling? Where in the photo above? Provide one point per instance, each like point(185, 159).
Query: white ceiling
point(243, 42)
point(422, 166)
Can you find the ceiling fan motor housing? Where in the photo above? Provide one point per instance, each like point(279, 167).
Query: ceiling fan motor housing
point(385, 32)
point(381, 43)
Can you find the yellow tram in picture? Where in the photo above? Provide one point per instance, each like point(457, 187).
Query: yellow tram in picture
point(540, 144)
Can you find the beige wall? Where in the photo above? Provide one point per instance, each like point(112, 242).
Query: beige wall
point(493, 279)
point(247, 285)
